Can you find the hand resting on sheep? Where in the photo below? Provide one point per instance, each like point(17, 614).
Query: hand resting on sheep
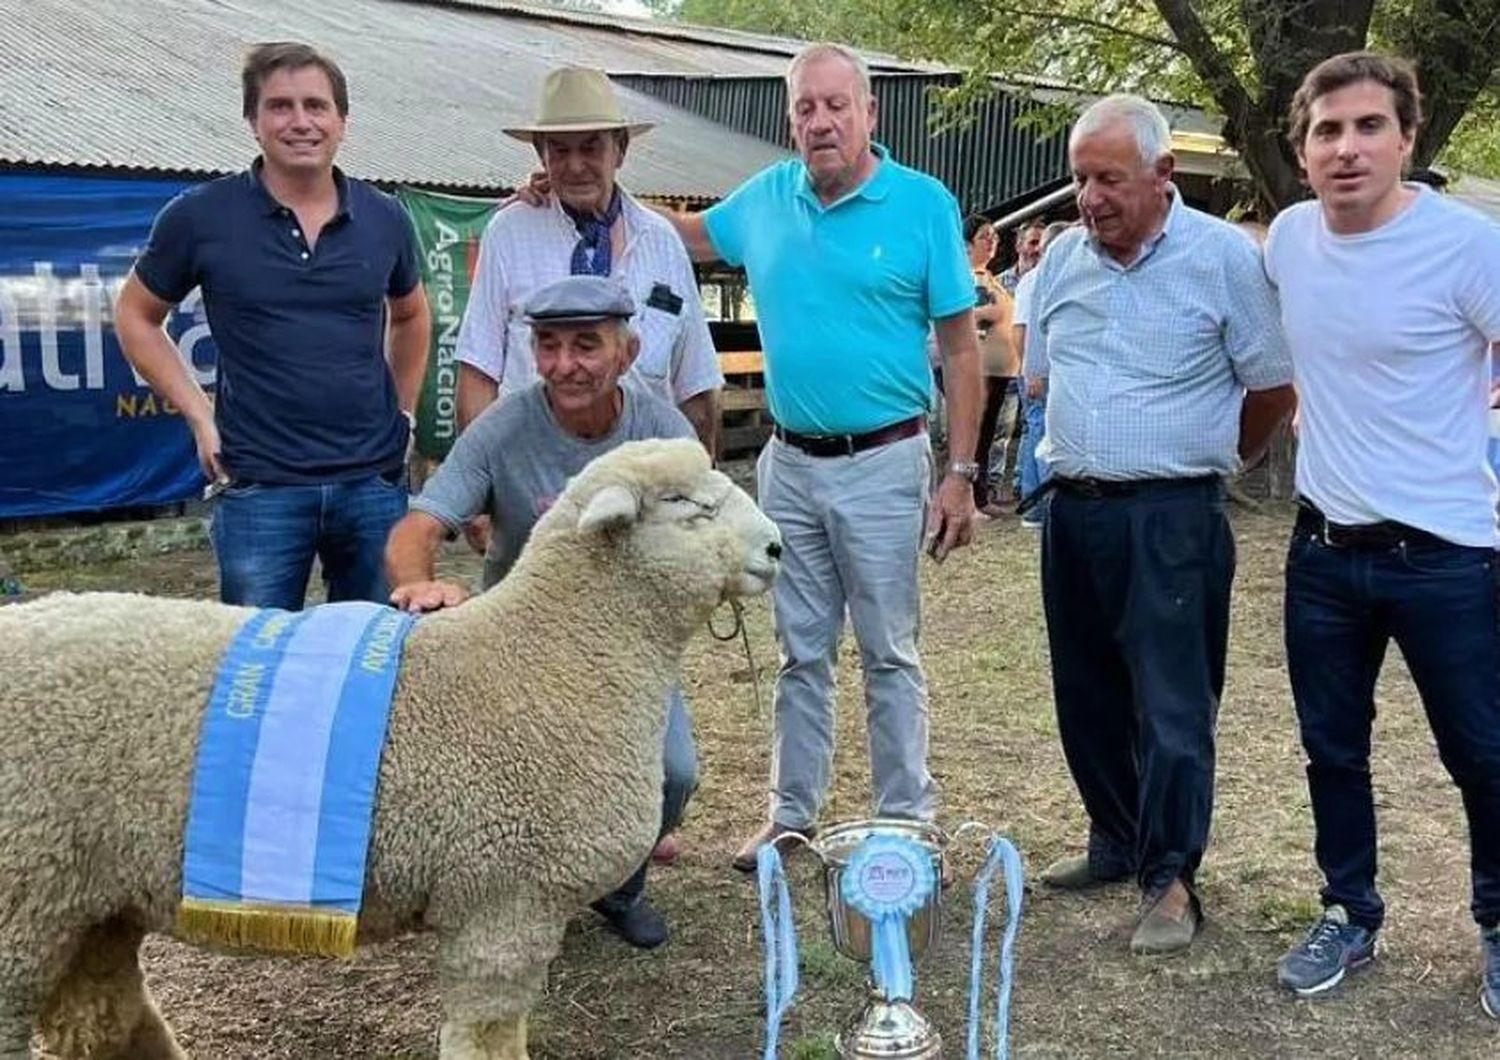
point(521, 776)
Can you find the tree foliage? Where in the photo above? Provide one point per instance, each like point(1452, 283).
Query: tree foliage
point(1241, 59)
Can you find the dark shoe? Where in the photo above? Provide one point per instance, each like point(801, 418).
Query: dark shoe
point(744, 858)
point(637, 922)
point(1333, 946)
point(1076, 874)
point(1167, 925)
point(1489, 995)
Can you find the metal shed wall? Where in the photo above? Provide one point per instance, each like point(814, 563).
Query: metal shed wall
point(989, 160)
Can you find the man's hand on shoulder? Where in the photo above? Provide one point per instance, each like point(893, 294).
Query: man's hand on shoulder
point(428, 596)
point(535, 192)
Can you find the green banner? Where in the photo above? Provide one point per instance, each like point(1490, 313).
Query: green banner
point(448, 230)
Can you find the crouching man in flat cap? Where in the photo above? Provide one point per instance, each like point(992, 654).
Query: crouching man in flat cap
point(512, 463)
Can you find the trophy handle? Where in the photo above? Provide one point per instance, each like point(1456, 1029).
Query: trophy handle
point(958, 833)
point(798, 837)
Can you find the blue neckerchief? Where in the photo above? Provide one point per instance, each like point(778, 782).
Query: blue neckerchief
point(592, 254)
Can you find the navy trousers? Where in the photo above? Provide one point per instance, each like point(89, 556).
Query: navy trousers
point(1136, 590)
point(1437, 601)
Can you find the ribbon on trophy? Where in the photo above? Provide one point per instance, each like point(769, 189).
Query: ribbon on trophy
point(1002, 852)
point(780, 936)
point(887, 880)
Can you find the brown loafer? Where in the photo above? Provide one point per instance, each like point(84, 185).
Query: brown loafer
point(1076, 873)
point(744, 858)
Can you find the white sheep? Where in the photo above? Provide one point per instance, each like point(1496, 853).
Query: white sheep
point(521, 776)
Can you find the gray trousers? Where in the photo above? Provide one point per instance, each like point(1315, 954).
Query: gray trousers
point(851, 529)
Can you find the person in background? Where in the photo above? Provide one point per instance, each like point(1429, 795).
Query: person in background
point(1031, 475)
point(999, 361)
point(308, 277)
point(1028, 253)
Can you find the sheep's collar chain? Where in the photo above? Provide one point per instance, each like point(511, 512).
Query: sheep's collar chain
point(737, 611)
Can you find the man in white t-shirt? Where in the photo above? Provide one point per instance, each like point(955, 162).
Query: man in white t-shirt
point(1390, 298)
point(588, 225)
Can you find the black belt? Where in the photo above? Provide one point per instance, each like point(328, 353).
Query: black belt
point(393, 475)
point(1386, 534)
point(849, 444)
point(1097, 488)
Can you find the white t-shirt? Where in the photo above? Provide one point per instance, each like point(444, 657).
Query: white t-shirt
point(524, 248)
point(1390, 333)
point(1021, 312)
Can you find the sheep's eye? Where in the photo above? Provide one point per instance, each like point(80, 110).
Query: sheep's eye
point(675, 498)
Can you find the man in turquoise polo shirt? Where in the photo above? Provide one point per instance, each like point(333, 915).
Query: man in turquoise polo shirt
point(852, 257)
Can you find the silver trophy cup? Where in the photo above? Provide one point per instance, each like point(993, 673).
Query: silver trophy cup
point(885, 1028)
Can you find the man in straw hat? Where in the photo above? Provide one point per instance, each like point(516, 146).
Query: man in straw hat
point(589, 226)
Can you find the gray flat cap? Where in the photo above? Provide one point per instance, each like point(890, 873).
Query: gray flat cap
point(579, 300)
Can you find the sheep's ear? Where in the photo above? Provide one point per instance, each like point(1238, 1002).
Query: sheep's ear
point(610, 508)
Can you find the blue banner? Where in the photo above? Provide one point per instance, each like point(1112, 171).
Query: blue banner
point(79, 430)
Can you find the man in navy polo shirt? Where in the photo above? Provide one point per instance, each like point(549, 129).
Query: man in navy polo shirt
point(302, 269)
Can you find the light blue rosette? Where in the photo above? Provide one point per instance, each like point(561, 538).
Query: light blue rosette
point(889, 878)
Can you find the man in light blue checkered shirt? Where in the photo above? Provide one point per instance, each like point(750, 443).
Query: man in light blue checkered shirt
point(1161, 342)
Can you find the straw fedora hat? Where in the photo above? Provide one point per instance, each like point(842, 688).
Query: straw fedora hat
point(577, 99)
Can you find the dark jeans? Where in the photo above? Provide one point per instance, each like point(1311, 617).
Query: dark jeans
point(1136, 592)
point(994, 399)
point(679, 781)
point(1437, 601)
point(266, 536)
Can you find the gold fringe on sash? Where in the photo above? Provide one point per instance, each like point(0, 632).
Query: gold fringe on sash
point(267, 927)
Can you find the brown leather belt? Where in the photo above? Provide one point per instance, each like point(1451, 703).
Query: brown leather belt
point(849, 444)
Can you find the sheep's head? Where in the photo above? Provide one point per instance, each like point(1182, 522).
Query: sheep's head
point(673, 518)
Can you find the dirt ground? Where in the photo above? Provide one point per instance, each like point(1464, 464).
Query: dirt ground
point(1079, 993)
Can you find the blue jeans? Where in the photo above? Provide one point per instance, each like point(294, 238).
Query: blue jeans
point(266, 537)
point(1030, 471)
point(679, 781)
point(1437, 601)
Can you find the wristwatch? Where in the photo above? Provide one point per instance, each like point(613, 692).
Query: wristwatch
point(968, 469)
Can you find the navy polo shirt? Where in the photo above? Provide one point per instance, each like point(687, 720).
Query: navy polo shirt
point(304, 393)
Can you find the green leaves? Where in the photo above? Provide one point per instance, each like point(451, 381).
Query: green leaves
point(1239, 58)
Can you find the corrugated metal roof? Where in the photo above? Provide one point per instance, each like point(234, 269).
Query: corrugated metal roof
point(781, 47)
point(154, 85)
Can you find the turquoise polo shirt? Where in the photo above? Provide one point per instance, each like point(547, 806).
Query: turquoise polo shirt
point(846, 293)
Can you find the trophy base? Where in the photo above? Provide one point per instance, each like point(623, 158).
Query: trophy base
point(888, 1030)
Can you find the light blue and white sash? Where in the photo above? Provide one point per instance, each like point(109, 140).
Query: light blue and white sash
point(284, 789)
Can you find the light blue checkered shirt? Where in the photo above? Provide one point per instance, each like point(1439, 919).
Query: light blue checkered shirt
point(1148, 364)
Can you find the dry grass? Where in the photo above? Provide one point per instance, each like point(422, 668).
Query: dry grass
point(1079, 993)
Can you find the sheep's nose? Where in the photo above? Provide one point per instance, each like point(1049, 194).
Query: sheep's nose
point(773, 550)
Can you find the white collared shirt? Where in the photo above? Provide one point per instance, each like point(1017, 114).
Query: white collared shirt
point(524, 248)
